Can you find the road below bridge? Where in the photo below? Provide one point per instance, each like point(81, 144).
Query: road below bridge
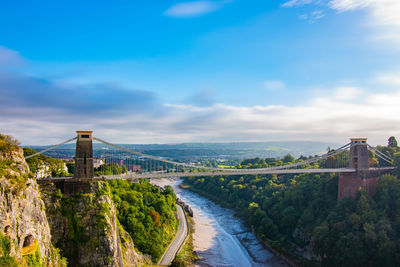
point(178, 241)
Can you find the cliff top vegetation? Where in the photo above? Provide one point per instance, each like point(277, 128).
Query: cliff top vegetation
point(8, 143)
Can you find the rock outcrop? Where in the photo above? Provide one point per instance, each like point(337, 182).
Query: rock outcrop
point(86, 229)
point(83, 226)
point(45, 169)
point(23, 221)
point(42, 166)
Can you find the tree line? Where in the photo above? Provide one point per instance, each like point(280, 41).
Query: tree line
point(301, 216)
point(147, 213)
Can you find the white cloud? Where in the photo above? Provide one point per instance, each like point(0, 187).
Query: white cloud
point(389, 79)
point(345, 5)
point(195, 8)
point(10, 57)
point(274, 85)
point(347, 93)
point(293, 3)
point(382, 13)
point(36, 111)
point(303, 16)
point(335, 118)
point(326, 118)
point(313, 16)
point(317, 14)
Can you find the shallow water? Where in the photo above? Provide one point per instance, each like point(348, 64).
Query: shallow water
point(220, 239)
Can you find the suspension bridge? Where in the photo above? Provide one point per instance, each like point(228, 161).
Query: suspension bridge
point(358, 164)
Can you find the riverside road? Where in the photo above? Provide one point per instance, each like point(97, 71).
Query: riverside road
point(180, 237)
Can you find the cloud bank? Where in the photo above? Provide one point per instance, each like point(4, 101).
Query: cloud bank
point(37, 110)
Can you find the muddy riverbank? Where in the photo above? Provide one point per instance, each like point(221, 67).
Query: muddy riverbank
point(221, 239)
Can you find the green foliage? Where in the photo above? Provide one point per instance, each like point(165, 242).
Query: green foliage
point(8, 262)
point(17, 180)
point(289, 212)
point(33, 260)
point(147, 213)
point(390, 151)
point(8, 143)
point(269, 162)
point(71, 167)
point(288, 159)
point(9, 168)
point(5, 245)
point(392, 142)
point(110, 169)
point(5, 248)
point(55, 257)
point(35, 163)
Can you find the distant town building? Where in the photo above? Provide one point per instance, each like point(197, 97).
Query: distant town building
point(134, 168)
point(98, 162)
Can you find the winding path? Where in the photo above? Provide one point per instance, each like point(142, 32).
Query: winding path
point(177, 243)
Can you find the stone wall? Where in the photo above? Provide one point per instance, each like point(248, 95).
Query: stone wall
point(350, 183)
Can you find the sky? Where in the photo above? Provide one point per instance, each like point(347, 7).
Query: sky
point(200, 71)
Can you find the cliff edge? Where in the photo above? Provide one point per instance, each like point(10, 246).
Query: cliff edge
point(24, 230)
point(86, 229)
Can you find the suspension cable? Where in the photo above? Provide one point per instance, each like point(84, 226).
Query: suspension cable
point(153, 157)
point(50, 148)
point(381, 155)
point(309, 161)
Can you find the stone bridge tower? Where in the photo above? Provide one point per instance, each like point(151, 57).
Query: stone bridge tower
point(84, 155)
point(359, 155)
point(350, 183)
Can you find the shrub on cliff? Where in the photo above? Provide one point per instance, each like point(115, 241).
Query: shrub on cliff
point(8, 143)
point(56, 166)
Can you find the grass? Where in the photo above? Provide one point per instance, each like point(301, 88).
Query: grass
point(5, 249)
point(226, 167)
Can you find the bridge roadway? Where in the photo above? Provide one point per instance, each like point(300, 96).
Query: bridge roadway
point(133, 176)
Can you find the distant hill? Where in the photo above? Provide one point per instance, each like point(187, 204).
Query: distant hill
point(237, 150)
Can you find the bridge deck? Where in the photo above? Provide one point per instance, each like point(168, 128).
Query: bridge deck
point(223, 173)
point(134, 176)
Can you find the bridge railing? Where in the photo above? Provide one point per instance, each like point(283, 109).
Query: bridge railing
point(112, 159)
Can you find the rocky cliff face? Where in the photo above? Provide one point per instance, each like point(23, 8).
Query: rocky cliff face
point(23, 222)
point(85, 227)
point(45, 169)
point(42, 166)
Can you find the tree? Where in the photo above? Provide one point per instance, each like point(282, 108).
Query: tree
point(392, 142)
point(71, 167)
point(288, 158)
point(396, 161)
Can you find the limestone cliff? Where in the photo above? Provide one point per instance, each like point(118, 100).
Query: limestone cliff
point(85, 227)
point(24, 229)
point(42, 166)
point(33, 218)
point(45, 169)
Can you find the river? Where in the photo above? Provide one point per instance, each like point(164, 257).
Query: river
point(220, 239)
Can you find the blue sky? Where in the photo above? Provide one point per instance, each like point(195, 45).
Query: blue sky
point(180, 71)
